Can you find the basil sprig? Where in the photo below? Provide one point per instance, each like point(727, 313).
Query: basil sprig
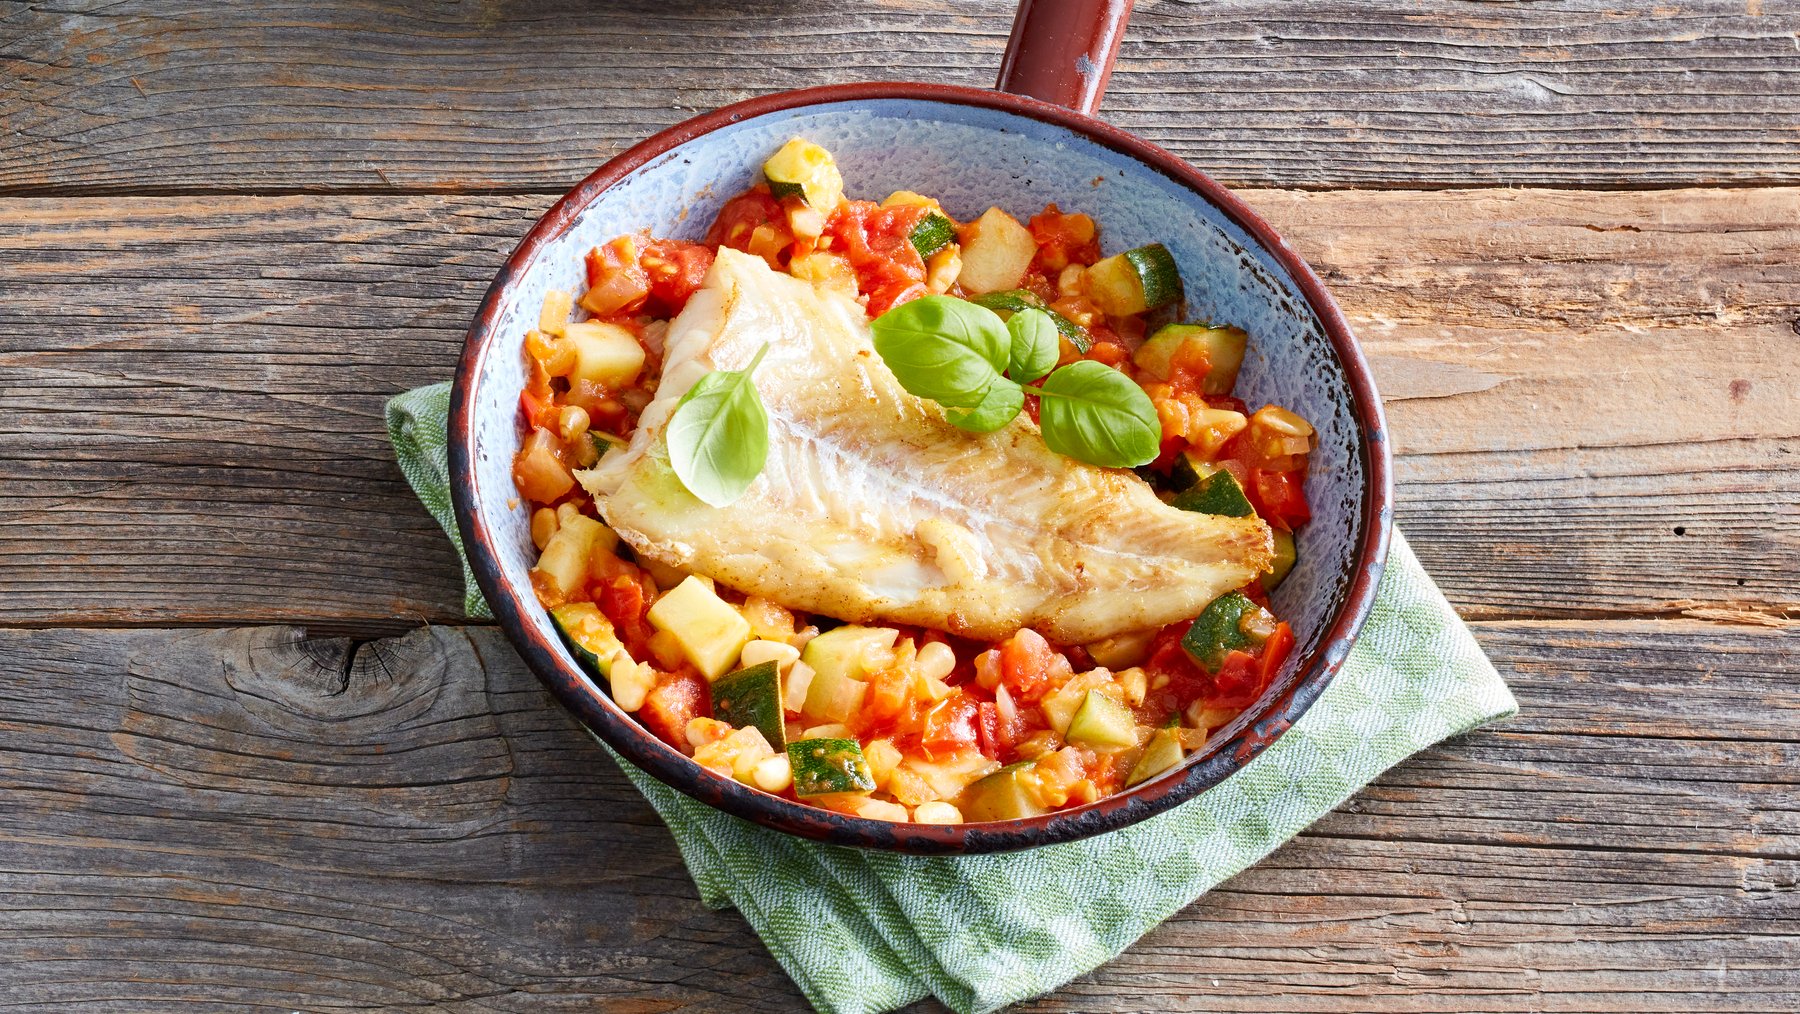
point(718, 436)
point(1093, 412)
point(964, 357)
point(947, 350)
point(1002, 401)
point(1035, 349)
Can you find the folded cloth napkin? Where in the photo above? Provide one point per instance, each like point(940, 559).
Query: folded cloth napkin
point(863, 932)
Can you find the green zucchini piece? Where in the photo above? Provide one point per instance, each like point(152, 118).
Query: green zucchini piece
point(1190, 468)
point(1015, 300)
point(1285, 555)
point(933, 233)
point(1224, 350)
point(825, 766)
point(752, 698)
point(803, 169)
point(1152, 357)
point(1001, 796)
point(589, 635)
point(836, 658)
point(1156, 270)
point(1144, 278)
point(1103, 723)
point(1218, 493)
point(1160, 754)
point(1218, 630)
point(1157, 480)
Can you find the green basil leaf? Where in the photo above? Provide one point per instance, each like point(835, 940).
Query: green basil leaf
point(1092, 412)
point(718, 436)
point(948, 350)
point(998, 406)
point(1035, 348)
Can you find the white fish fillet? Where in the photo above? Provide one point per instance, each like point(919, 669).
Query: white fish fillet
point(873, 508)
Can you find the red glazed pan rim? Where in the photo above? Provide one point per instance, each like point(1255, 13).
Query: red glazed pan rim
point(1230, 750)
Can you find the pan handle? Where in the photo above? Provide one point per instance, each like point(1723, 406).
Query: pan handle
point(1062, 51)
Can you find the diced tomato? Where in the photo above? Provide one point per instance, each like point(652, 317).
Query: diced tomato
point(886, 297)
point(1063, 239)
point(537, 399)
point(1026, 664)
point(1237, 682)
point(1004, 734)
point(540, 412)
point(887, 704)
point(677, 699)
point(953, 725)
point(623, 601)
point(1167, 658)
point(1109, 353)
point(988, 725)
point(876, 241)
point(675, 269)
point(1255, 592)
point(741, 215)
point(1165, 455)
point(1039, 284)
point(1274, 652)
point(1279, 498)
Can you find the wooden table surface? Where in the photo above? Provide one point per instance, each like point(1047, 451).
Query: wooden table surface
point(253, 758)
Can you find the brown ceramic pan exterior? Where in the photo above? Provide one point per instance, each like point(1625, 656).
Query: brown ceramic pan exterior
point(1273, 714)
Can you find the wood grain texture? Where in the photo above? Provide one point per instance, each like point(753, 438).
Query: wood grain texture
point(191, 391)
point(120, 97)
point(1604, 387)
point(243, 818)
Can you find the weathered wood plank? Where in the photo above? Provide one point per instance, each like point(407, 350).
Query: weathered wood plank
point(190, 395)
point(1601, 386)
point(297, 95)
point(233, 818)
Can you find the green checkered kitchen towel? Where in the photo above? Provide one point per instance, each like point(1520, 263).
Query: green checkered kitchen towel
point(863, 932)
